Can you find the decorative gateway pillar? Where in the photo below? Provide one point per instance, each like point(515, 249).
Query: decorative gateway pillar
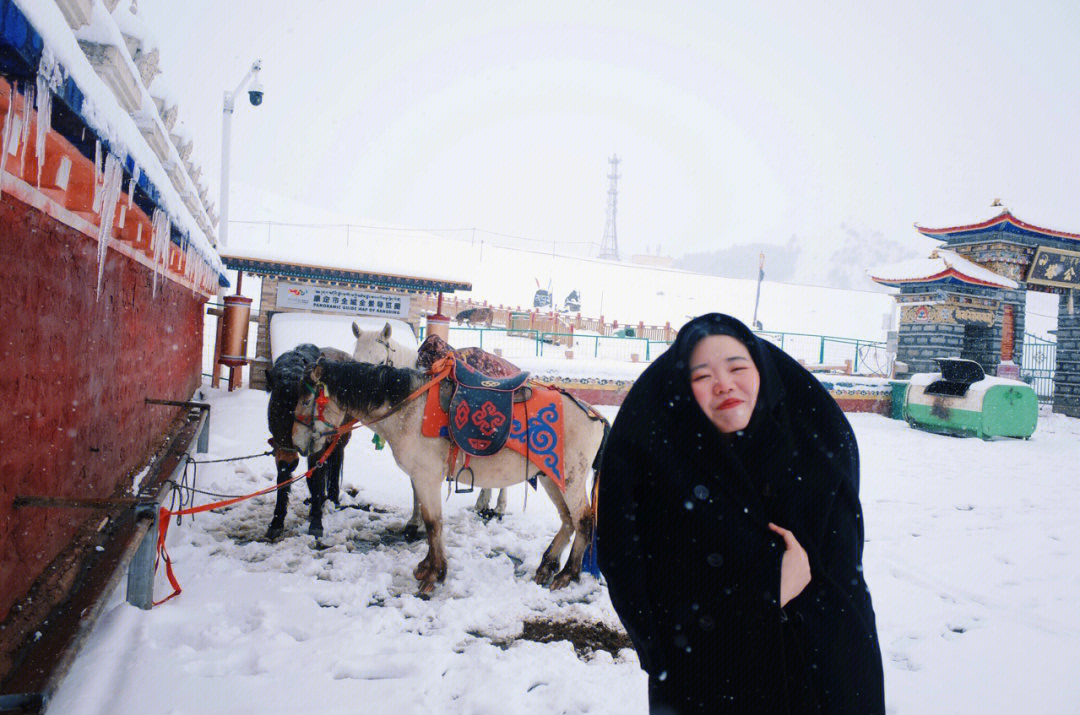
point(949, 307)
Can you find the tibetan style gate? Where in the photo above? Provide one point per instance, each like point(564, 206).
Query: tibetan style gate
point(968, 299)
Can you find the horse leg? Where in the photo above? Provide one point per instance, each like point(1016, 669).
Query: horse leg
point(412, 526)
point(483, 502)
point(500, 505)
point(317, 487)
point(433, 566)
point(281, 506)
point(333, 474)
point(577, 504)
point(550, 561)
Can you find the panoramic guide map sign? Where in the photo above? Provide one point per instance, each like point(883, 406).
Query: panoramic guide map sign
point(340, 300)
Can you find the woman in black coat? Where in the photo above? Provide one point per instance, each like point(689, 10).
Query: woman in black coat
point(730, 533)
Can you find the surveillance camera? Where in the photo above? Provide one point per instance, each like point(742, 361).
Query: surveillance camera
point(255, 94)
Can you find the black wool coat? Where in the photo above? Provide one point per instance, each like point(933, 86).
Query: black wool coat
point(692, 567)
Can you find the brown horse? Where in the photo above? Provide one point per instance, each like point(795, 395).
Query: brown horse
point(476, 316)
point(365, 392)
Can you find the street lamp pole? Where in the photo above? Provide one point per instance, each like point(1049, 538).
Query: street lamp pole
point(255, 94)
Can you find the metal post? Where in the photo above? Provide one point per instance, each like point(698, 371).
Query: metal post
point(821, 354)
point(856, 368)
point(226, 133)
point(204, 435)
point(140, 586)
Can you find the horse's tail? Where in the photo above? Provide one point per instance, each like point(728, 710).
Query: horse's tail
point(590, 563)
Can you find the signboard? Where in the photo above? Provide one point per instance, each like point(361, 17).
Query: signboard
point(339, 300)
point(1055, 267)
point(948, 313)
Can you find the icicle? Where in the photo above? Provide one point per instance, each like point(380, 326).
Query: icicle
point(8, 121)
point(44, 121)
point(114, 177)
point(133, 183)
point(160, 241)
point(97, 167)
point(24, 135)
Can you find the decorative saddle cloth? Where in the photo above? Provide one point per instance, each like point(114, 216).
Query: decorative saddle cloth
point(480, 410)
point(532, 428)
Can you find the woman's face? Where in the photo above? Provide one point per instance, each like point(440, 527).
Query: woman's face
point(725, 381)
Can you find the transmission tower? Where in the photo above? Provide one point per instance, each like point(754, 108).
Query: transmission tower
point(609, 248)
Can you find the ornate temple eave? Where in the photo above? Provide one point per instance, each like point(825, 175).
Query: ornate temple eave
point(1002, 224)
point(948, 277)
point(265, 267)
point(942, 268)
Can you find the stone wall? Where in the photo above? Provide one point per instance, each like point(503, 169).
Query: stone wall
point(1067, 370)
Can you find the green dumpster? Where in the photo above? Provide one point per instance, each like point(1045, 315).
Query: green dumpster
point(962, 400)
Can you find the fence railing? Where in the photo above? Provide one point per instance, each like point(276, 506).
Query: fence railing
point(864, 357)
point(1037, 365)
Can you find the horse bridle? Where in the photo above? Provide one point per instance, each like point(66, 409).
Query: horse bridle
point(385, 344)
point(317, 409)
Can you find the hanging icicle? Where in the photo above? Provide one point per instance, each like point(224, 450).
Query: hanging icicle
point(9, 120)
point(44, 122)
point(97, 168)
point(49, 78)
point(114, 177)
point(133, 183)
point(162, 229)
point(24, 135)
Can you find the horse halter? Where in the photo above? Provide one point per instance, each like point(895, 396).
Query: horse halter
point(317, 410)
point(386, 344)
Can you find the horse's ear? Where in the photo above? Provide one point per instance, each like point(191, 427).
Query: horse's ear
point(355, 329)
point(386, 331)
point(316, 372)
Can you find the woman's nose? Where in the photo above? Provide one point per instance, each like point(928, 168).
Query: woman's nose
point(721, 384)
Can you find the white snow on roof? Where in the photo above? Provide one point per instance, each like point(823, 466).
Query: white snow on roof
point(922, 268)
point(374, 250)
point(287, 330)
point(130, 24)
point(104, 114)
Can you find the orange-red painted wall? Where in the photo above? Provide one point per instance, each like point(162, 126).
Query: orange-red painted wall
point(74, 371)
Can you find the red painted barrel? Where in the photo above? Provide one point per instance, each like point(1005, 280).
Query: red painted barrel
point(234, 330)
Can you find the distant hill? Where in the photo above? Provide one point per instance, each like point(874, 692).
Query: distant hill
point(836, 259)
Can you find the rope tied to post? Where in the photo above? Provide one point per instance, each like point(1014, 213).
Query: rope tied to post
point(164, 516)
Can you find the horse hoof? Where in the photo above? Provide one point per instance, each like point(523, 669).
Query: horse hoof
point(542, 576)
point(316, 531)
point(562, 581)
point(274, 532)
point(426, 589)
point(487, 515)
point(411, 533)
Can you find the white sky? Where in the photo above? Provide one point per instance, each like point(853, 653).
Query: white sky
point(747, 123)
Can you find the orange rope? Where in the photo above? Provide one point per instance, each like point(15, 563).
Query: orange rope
point(165, 514)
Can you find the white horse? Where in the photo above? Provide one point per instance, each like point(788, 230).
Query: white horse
point(380, 348)
point(363, 391)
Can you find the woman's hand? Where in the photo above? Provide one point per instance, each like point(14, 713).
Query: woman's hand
point(794, 569)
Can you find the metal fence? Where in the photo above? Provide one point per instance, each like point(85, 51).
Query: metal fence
point(1037, 366)
point(865, 357)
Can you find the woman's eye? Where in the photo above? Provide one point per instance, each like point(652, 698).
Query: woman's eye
point(699, 378)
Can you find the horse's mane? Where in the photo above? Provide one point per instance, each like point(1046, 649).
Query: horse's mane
point(283, 381)
point(361, 386)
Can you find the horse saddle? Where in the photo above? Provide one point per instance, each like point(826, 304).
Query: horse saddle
point(481, 408)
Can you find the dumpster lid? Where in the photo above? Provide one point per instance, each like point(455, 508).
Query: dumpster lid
point(957, 375)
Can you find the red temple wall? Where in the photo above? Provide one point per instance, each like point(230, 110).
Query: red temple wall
point(76, 369)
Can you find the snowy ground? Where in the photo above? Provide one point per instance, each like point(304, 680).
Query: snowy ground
point(971, 558)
